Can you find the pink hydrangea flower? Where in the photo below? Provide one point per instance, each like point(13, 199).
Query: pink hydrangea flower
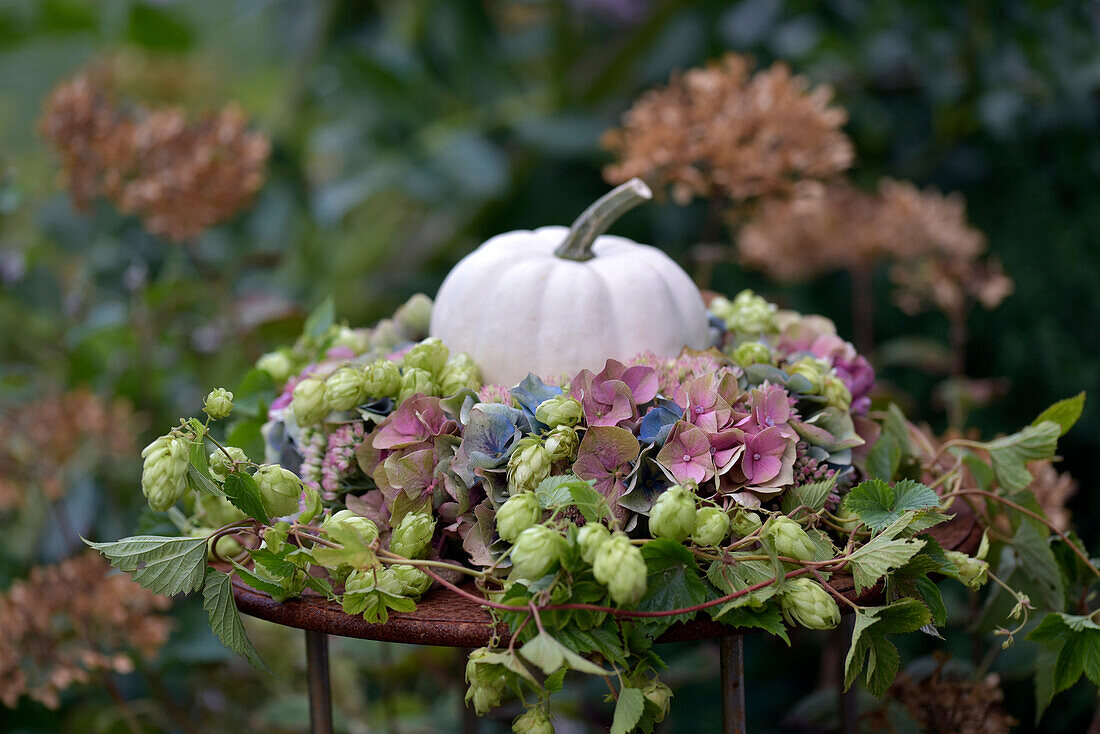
point(763, 455)
point(686, 454)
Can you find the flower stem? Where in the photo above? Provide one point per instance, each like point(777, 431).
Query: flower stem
point(596, 219)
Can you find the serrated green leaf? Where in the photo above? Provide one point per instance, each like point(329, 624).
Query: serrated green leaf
point(872, 561)
point(163, 565)
point(555, 681)
point(878, 504)
point(275, 562)
point(591, 503)
point(1065, 413)
point(553, 492)
point(870, 652)
point(199, 482)
point(268, 587)
point(243, 492)
point(768, 618)
point(225, 620)
point(811, 495)
point(673, 581)
point(741, 574)
point(1037, 561)
point(628, 710)
point(354, 549)
point(1010, 454)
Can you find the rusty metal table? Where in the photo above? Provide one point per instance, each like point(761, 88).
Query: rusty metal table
point(443, 618)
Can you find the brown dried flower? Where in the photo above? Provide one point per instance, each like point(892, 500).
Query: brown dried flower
point(178, 177)
point(820, 228)
point(66, 622)
point(1053, 489)
point(719, 132)
point(946, 704)
point(42, 443)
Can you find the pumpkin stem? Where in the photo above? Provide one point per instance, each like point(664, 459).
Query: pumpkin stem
point(596, 219)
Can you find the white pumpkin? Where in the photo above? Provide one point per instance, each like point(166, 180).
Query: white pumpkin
point(556, 300)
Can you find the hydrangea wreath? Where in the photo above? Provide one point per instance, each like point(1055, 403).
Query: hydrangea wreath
point(590, 512)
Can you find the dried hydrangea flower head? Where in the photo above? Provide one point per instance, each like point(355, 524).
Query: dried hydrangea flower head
point(44, 442)
point(65, 623)
point(821, 228)
point(723, 132)
point(179, 177)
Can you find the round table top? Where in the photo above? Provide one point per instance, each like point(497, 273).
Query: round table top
point(447, 619)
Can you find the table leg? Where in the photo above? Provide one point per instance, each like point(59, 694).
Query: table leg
point(320, 694)
point(733, 684)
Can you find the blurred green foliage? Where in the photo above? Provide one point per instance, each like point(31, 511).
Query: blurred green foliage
point(405, 133)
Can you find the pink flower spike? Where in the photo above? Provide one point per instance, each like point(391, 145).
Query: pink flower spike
point(763, 457)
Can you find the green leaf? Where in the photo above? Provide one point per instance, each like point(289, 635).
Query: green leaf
point(354, 550)
point(628, 710)
point(673, 581)
point(548, 655)
point(321, 319)
point(1037, 561)
point(163, 565)
point(321, 586)
point(878, 504)
point(242, 491)
point(812, 495)
point(872, 561)
point(768, 618)
point(1065, 413)
point(553, 492)
point(591, 503)
point(225, 620)
point(884, 458)
point(1010, 454)
point(276, 563)
point(1044, 680)
point(197, 481)
point(732, 577)
point(874, 655)
point(268, 587)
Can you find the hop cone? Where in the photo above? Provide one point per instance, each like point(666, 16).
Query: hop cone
point(221, 465)
point(560, 410)
point(279, 489)
point(429, 355)
point(382, 379)
point(218, 403)
point(536, 549)
point(366, 527)
point(528, 465)
point(411, 536)
point(590, 538)
point(460, 373)
point(711, 526)
point(518, 513)
point(164, 472)
point(621, 568)
point(791, 540)
point(534, 720)
point(415, 380)
point(345, 388)
point(805, 602)
point(487, 681)
point(308, 401)
point(562, 443)
point(673, 515)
